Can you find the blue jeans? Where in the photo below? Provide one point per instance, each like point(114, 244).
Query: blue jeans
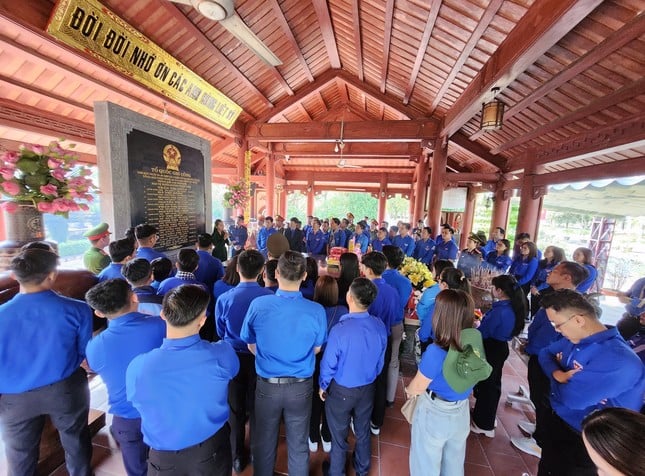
point(439, 433)
point(127, 433)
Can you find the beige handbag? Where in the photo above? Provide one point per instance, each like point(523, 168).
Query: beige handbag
point(408, 408)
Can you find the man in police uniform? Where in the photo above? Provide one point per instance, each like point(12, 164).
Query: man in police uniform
point(284, 331)
point(95, 259)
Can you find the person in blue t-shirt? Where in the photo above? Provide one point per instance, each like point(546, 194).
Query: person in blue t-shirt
point(121, 251)
point(591, 368)
point(441, 419)
point(209, 269)
point(360, 239)
point(263, 235)
point(386, 307)
point(584, 257)
point(316, 244)
point(499, 258)
point(446, 248)
point(352, 359)
point(525, 265)
point(498, 234)
point(181, 391)
point(42, 339)
point(187, 263)
point(425, 247)
point(285, 331)
point(338, 237)
point(129, 333)
point(147, 237)
point(238, 234)
point(504, 321)
point(403, 240)
point(230, 311)
point(138, 273)
point(381, 240)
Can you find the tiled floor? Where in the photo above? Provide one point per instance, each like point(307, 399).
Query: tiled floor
point(390, 450)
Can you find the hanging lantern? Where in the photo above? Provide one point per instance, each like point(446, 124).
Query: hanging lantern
point(492, 113)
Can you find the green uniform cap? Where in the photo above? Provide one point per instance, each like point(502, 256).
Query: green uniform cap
point(97, 232)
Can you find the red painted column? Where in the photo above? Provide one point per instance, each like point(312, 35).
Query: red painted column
point(437, 183)
point(310, 199)
point(501, 205)
point(270, 185)
point(530, 202)
point(240, 168)
point(468, 218)
point(412, 196)
point(382, 199)
point(421, 188)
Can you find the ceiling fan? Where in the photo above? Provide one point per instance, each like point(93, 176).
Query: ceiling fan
point(223, 11)
point(342, 164)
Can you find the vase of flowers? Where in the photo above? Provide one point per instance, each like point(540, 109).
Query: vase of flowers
point(237, 194)
point(39, 179)
point(417, 272)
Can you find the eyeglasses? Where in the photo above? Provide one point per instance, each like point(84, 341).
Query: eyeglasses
point(558, 326)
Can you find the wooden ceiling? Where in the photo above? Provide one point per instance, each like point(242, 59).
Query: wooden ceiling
point(399, 74)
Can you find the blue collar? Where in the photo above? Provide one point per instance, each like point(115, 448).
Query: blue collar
point(123, 319)
point(182, 343)
point(248, 284)
point(599, 336)
point(355, 315)
point(288, 294)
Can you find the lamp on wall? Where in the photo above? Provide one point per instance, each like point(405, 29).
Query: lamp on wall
point(492, 113)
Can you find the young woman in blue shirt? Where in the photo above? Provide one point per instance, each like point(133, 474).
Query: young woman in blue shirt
point(525, 265)
point(583, 256)
point(499, 258)
point(499, 325)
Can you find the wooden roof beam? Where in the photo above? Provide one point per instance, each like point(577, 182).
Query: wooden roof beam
point(396, 150)
point(327, 30)
point(377, 131)
point(621, 168)
point(355, 176)
point(602, 103)
point(543, 25)
point(625, 134)
point(286, 30)
point(478, 150)
point(470, 177)
point(387, 38)
point(488, 16)
point(423, 47)
point(356, 20)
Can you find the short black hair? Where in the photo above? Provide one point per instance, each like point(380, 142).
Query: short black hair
point(363, 291)
point(144, 231)
point(564, 299)
point(187, 260)
point(183, 304)
point(161, 268)
point(33, 265)
point(137, 270)
point(39, 245)
point(336, 220)
point(121, 249)
point(383, 229)
point(109, 297)
point(394, 255)
point(523, 236)
point(376, 261)
point(204, 240)
point(250, 263)
point(428, 229)
point(577, 272)
point(446, 226)
point(270, 218)
point(292, 266)
point(501, 230)
point(270, 268)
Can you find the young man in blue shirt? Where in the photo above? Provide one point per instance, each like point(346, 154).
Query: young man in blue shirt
point(121, 251)
point(316, 244)
point(386, 308)
point(446, 248)
point(284, 331)
point(263, 235)
point(147, 237)
point(354, 356)
point(360, 239)
point(181, 391)
point(591, 368)
point(138, 273)
point(42, 340)
point(403, 240)
point(238, 234)
point(403, 287)
point(129, 333)
point(498, 233)
point(381, 240)
point(230, 310)
point(187, 263)
point(209, 269)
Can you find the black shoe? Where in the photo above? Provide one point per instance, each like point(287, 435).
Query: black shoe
point(325, 468)
point(389, 404)
point(238, 465)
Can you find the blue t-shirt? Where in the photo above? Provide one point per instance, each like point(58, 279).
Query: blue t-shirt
point(230, 311)
point(498, 323)
point(425, 306)
point(174, 282)
point(181, 391)
point(523, 270)
point(111, 271)
point(209, 269)
point(386, 304)
point(431, 366)
point(355, 351)
point(500, 263)
point(540, 333)
point(403, 288)
point(406, 243)
point(148, 253)
point(110, 353)
point(377, 245)
point(316, 243)
point(285, 328)
point(424, 250)
point(446, 250)
point(42, 339)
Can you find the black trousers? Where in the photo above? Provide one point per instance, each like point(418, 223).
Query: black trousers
point(342, 404)
point(540, 388)
point(318, 416)
point(488, 392)
point(212, 457)
point(22, 418)
point(380, 388)
point(241, 395)
point(127, 433)
point(274, 401)
point(563, 452)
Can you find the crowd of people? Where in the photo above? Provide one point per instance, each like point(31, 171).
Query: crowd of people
point(246, 320)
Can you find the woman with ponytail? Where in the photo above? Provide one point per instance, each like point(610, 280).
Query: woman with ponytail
point(503, 322)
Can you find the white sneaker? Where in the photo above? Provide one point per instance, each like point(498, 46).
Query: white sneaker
point(313, 445)
point(475, 429)
point(351, 425)
point(527, 427)
point(376, 430)
point(528, 446)
point(325, 444)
